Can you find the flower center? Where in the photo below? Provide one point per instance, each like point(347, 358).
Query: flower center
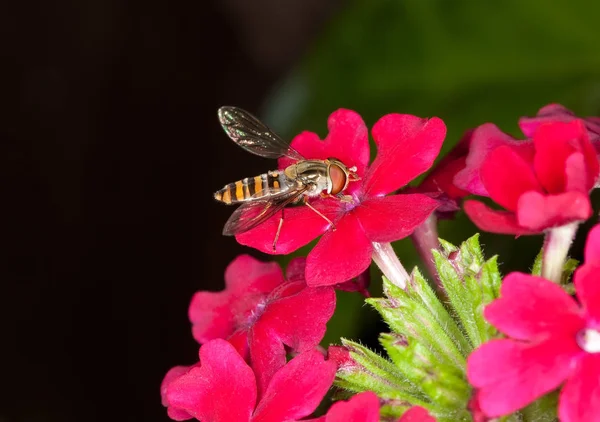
point(589, 340)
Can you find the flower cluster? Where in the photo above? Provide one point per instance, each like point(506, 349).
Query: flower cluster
point(470, 345)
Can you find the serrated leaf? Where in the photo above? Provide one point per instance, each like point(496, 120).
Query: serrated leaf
point(543, 409)
point(470, 283)
point(372, 372)
point(410, 313)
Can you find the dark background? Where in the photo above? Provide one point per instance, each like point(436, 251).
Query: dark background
point(111, 151)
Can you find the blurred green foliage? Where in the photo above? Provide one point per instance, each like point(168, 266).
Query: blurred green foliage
point(465, 61)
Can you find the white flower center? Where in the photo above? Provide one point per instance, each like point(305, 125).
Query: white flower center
point(589, 340)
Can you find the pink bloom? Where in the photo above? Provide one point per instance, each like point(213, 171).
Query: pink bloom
point(439, 183)
point(547, 190)
point(358, 284)
point(363, 407)
point(553, 341)
point(407, 146)
point(485, 139)
point(260, 313)
point(559, 113)
point(222, 388)
point(416, 414)
point(174, 412)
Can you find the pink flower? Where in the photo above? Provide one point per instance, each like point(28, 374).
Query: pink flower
point(488, 137)
point(485, 139)
point(260, 313)
point(547, 190)
point(553, 341)
point(559, 113)
point(439, 183)
point(362, 407)
point(407, 146)
point(222, 388)
point(416, 414)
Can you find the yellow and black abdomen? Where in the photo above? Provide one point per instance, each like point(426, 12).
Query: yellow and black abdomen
point(252, 188)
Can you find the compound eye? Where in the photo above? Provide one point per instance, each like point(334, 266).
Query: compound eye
point(338, 179)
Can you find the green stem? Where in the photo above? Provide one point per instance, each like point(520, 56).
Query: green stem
point(425, 239)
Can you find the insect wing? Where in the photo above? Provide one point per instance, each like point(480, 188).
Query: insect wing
point(251, 214)
point(253, 135)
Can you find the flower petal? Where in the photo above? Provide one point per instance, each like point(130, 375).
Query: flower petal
point(538, 212)
point(587, 287)
point(494, 221)
point(247, 280)
point(406, 147)
point(549, 113)
point(576, 173)
point(297, 321)
point(441, 178)
point(579, 400)
point(362, 407)
point(592, 247)
point(358, 284)
point(530, 306)
point(296, 389)
point(506, 176)
point(511, 374)
point(300, 226)
point(416, 414)
point(390, 218)
point(484, 139)
point(340, 255)
point(295, 269)
point(206, 392)
point(173, 374)
point(211, 316)
point(348, 141)
point(247, 274)
point(553, 145)
point(557, 113)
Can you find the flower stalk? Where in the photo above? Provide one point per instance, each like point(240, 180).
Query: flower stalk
point(389, 264)
point(425, 239)
point(556, 247)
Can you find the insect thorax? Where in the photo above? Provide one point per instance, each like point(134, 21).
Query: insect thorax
point(310, 172)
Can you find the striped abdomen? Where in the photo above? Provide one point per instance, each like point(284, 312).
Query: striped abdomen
point(252, 188)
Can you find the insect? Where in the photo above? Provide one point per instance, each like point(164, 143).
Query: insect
point(261, 197)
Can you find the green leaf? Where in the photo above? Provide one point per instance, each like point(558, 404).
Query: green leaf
point(568, 270)
point(371, 372)
point(418, 313)
point(537, 264)
point(470, 283)
point(542, 410)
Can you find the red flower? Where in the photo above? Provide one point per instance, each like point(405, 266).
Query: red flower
point(559, 113)
point(362, 407)
point(549, 189)
point(485, 139)
point(222, 388)
point(439, 183)
point(553, 341)
point(260, 313)
point(407, 146)
point(416, 414)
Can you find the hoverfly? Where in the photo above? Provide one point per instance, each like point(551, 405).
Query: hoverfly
point(265, 195)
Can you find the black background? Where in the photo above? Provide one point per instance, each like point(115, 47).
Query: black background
point(111, 151)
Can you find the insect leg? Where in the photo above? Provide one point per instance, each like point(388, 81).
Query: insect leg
point(321, 214)
point(278, 231)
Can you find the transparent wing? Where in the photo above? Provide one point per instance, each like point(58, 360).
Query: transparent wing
point(253, 135)
point(251, 214)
